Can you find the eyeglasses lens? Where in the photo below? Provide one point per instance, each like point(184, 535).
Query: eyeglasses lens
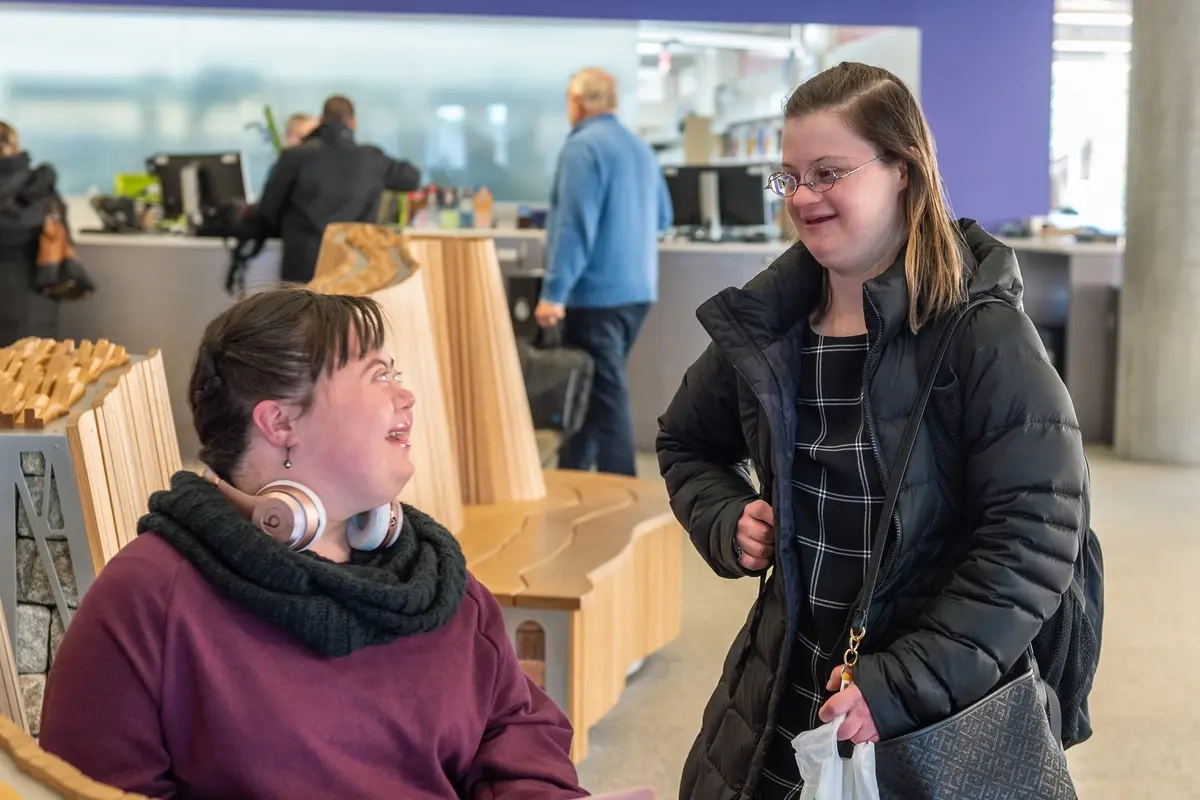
point(821, 179)
point(783, 184)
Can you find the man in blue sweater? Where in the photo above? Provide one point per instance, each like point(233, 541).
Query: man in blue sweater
point(608, 205)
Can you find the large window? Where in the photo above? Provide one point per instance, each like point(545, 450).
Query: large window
point(472, 100)
point(1089, 116)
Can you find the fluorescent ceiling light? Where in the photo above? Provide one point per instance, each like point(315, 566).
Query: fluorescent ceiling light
point(1091, 46)
point(716, 39)
point(1114, 19)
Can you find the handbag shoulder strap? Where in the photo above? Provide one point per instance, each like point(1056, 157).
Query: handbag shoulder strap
point(858, 617)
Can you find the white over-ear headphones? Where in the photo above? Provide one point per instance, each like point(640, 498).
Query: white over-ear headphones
point(292, 514)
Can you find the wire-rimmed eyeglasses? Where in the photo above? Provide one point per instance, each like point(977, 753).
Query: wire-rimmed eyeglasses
point(820, 178)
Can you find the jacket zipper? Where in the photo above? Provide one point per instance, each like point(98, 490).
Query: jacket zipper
point(784, 655)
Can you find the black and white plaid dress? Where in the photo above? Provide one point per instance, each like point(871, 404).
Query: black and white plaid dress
point(837, 493)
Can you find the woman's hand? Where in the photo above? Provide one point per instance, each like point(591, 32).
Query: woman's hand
point(756, 536)
point(858, 726)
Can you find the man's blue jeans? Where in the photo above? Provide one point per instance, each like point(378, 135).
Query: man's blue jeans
point(606, 439)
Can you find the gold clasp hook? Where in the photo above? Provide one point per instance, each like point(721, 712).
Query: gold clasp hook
point(850, 657)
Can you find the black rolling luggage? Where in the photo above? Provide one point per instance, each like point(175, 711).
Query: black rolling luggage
point(558, 381)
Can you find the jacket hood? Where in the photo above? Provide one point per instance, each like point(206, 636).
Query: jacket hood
point(11, 164)
point(15, 171)
point(332, 133)
point(777, 298)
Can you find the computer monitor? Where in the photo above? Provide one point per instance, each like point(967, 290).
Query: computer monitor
point(220, 181)
point(742, 195)
point(683, 184)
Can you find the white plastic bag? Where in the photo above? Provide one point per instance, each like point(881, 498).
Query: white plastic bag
point(828, 776)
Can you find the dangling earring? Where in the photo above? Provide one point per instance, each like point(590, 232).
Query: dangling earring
point(287, 458)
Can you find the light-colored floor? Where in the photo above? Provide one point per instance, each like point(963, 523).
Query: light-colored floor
point(1145, 706)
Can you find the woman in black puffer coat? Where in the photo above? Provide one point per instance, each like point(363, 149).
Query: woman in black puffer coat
point(25, 194)
point(811, 376)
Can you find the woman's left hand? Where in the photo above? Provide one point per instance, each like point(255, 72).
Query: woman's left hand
point(858, 726)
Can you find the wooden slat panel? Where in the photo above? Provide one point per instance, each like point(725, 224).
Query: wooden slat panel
point(118, 458)
point(170, 439)
point(435, 487)
point(499, 459)
point(10, 689)
point(87, 456)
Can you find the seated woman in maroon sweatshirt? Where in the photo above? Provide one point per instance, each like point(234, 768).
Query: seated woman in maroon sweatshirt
point(229, 653)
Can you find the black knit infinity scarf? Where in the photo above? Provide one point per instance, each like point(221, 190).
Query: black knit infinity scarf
point(414, 586)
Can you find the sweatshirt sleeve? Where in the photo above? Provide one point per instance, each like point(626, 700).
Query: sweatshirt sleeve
point(526, 749)
point(101, 707)
point(576, 218)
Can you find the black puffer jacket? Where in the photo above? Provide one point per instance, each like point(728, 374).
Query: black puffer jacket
point(964, 596)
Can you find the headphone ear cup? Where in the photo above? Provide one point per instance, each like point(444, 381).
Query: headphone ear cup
point(375, 529)
point(290, 514)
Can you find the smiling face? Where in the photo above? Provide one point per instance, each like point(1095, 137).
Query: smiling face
point(352, 444)
point(859, 222)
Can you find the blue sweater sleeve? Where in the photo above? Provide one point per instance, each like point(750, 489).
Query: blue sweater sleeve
point(573, 230)
point(666, 209)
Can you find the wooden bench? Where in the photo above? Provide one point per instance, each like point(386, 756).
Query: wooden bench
point(27, 772)
point(589, 579)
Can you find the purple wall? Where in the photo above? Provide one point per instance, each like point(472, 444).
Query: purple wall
point(985, 80)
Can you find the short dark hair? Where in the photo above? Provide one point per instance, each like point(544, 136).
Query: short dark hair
point(338, 109)
point(271, 346)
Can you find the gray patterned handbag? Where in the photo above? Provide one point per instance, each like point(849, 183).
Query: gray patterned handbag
point(1000, 748)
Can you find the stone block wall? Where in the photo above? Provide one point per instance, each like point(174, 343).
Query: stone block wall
point(39, 624)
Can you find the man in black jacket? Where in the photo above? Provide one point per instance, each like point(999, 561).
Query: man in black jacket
point(327, 178)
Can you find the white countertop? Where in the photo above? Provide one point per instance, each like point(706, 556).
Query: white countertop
point(154, 240)
point(1064, 245)
point(147, 240)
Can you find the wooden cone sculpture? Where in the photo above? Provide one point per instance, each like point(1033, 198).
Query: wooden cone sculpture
point(398, 284)
point(428, 252)
point(498, 454)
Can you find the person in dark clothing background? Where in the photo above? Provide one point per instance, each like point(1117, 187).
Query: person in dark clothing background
point(811, 377)
point(327, 178)
point(26, 192)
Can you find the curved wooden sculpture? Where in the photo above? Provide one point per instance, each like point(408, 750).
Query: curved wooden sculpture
point(30, 773)
point(40, 379)
point(493, 428)
point(374, 260)
point(359, 259)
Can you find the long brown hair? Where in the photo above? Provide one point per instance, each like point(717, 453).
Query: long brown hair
point(877, 106)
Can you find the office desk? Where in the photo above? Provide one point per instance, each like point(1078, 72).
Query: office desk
point(1071, 294)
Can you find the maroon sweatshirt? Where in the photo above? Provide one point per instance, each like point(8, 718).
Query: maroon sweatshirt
point(164, 687)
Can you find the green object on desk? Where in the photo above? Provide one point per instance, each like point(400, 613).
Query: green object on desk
point(136, 186)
